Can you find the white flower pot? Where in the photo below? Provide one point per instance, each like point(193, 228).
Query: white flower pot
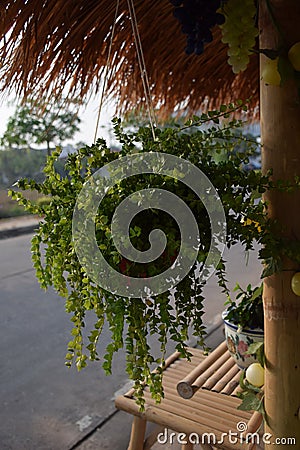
point(238, 342)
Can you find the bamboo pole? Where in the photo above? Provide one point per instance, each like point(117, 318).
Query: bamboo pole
point(211, 358)
point(187, 391)
point(231, 385)
point(191, 421)
point(191, 383)
point(202, 407)
point(225, 379)
point(213, 379)
point(280, 129)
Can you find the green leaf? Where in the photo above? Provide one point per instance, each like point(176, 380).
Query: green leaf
point(250, 402)
point(254, 348)
point(285, 70)
point(272, 265)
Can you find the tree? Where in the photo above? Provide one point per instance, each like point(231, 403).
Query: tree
point(34, 123)
point(16, 163)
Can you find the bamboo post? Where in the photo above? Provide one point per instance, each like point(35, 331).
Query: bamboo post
point(280, 129)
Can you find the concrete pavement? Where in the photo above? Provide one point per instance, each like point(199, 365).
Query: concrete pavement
point(44, 405)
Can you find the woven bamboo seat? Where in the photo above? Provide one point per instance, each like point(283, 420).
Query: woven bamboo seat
point(200, 401)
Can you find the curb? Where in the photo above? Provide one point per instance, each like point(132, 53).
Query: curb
point(16, 227)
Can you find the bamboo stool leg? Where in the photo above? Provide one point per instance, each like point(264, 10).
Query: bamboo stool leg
point(152, 438)
point(206, 447)
point(187, 446)
point(137, 436)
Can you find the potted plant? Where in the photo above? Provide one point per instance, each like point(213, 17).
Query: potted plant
point(244, 323)
point(168, 315)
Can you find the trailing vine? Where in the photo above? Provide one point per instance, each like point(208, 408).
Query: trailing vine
point(213, 142)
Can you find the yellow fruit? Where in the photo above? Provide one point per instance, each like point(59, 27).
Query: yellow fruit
point(255, 374)
point(295, 284)
point(269, 73)
point(294, 56)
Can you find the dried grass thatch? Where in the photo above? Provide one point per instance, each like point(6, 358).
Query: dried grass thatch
point(53, 44)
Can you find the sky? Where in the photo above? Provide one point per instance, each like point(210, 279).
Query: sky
point(88, 116)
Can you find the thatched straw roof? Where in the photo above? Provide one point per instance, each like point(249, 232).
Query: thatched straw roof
point(48, 45)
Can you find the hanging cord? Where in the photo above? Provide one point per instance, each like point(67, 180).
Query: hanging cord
point(107, 68)
point(142, 66)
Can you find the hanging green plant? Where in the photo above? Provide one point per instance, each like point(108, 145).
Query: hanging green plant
point(213, 143)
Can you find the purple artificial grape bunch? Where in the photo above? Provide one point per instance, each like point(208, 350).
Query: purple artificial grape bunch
point(197, 18)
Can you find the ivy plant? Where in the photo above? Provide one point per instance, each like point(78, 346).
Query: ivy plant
point(247, 309)
point(213, 142)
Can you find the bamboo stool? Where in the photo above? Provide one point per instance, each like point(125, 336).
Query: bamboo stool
point(200, 399)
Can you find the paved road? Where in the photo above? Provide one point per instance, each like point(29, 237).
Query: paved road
point(44, 405)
